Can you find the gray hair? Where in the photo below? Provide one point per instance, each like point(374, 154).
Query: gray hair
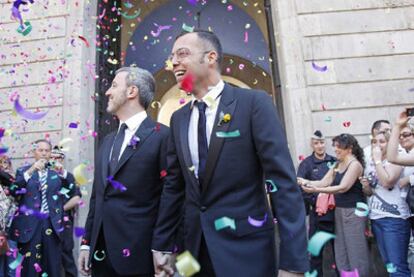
point(143, 80)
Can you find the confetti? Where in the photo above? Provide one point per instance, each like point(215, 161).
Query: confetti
point(79, 231)
point(26, 114)
point(37, 267)
point(317, 242)
point(319, 68)
point(25, 29)
point(192, 2)
point(346, 124)
point(331, 164)
point(135, 15)
point(361, 209)
point(97, 257)
point(301, 157)
point(126, 252)
point(19, 259)
point(186, 264)
point(73, 125)
point(160, 28)
point(270, 186)
point(187, 83)
point(233, 134)
point(78, 174)
point(163, 173)
point(187, 28)
point(182, 101)
point(224, 222)
point(84, 40)
point(169, 65)
point(112, 61)
point(2, 131)
point(156, 104)
point(246, 37)
point(391, 268)
point(257, 223)
point(3, 150)
point(48, 232)
point(328, 119)
point(63, 142)
point(312, 274)
point(354, 273)
point(116, 184)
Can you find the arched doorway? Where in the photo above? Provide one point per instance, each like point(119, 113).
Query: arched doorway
point(149, 28)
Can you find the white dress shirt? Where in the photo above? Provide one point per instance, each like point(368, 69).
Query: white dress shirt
point(212, 99)
point(132, 124)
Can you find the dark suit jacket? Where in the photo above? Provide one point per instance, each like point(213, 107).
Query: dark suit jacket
point(24, 226)
point(127, 218)
point(234, 187)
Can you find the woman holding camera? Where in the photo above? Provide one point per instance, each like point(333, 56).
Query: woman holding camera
point(388, 209)
point(342, 180)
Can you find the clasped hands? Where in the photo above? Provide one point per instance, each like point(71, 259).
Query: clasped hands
point(164, 264)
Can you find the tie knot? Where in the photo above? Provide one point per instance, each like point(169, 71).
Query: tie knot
point(122, 128)
point(201, 106)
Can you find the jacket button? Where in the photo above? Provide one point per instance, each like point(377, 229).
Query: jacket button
point(203, 208)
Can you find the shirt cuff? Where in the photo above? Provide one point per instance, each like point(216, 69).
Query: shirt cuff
point(27, 176)
point(164, 252)
point(84, 247)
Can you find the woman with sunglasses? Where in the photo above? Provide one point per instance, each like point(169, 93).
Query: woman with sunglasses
point(393, 155)
point(388, 210)
point(342, 180)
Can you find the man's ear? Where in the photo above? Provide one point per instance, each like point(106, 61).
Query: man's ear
point(132, 92)
point(212, 57)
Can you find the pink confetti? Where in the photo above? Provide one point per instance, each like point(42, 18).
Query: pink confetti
point(241, 66)
point(346, 124)
point(246, 37)
point(37, 267)
point(349, 273)
point(182, 101)
point(126, 252)
point(229, 8)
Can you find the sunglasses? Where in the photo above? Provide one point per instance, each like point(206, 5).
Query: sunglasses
point(405, 135)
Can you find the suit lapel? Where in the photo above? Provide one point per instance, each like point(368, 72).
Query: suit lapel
point(144, 130)
point(106, 150)
point(184, 123)
point(227, 105)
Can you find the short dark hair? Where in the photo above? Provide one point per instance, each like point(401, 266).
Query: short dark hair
point(208, 38)
point(377, 125)
point(43, 140)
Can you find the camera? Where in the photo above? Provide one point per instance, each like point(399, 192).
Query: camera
point(409, 111)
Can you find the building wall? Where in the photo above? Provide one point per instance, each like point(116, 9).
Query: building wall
point(50, 69)
point(367, 47)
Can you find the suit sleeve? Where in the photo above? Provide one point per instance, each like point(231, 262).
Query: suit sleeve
point(287, 202)
point(19, 182)
point(172, 198)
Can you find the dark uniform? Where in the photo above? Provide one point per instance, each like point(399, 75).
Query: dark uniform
point(314, 169)
point(68, 261)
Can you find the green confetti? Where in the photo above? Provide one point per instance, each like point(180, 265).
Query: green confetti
point(311, 274)
point(391, 268)
point(13, 265)
point(233, 134)
point(271, 186)
point(361, 209)
point(25, 30)
point(317, 242)
point(136, 14)
point(224, 222)
point(187, 28)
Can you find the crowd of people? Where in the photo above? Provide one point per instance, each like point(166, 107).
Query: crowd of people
point(214, 183)
point(363, 190)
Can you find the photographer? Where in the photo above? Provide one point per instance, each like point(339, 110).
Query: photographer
point(388, 210)
point(38, 226)
point(393, 156)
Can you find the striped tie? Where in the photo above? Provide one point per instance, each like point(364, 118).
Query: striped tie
point(43, 188)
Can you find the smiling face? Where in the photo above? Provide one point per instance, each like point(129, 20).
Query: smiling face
point(117, 93)
point(341, 153)
point(191, 56)
point(407, 138)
